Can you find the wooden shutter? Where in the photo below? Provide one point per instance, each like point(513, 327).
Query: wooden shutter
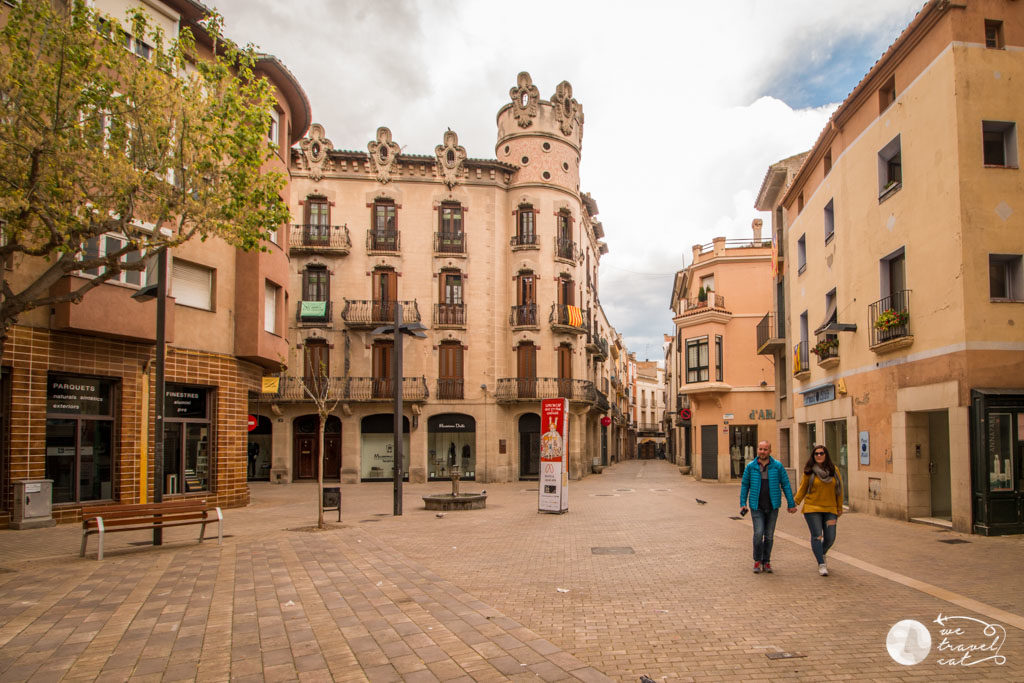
point(316, 360)
point(527, 361)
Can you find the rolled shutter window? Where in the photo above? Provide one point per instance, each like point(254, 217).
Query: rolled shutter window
point(270, 308)
point(192, 285)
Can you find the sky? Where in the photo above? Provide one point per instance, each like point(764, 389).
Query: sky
point(686, 103)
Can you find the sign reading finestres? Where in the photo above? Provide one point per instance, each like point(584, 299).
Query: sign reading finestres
point(554, 456)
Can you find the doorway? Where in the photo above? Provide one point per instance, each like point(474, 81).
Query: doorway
point(529, 446)
point(938, 465)
point(709, 451)
point(306, 447)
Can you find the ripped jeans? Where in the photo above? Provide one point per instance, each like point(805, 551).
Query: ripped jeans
point(823, 534)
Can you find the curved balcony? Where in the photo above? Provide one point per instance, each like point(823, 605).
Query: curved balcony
point(361, 314)
point(527, 241)
point(520, 389)
point(568, 319)
point(319, 239)
point(566, 250)
point(598, 346)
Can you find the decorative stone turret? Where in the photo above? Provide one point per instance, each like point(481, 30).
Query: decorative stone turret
point(542, 137)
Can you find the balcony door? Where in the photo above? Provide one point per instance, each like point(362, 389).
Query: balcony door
point(318, 221)
point(316, 365)
point(450, 229)
point(451, 309)
point(564, 372)
point(382, 369)
point(385, 226)
point(526, 373)
point(526, 299)
point(449, 375)
point(525, 230)
point(385, 293)
point(566, 295)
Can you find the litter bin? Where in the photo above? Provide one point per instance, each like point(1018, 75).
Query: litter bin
point(332, 499)
point(32, 504)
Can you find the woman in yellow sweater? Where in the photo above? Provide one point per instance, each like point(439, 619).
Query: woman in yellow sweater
point(821, 491)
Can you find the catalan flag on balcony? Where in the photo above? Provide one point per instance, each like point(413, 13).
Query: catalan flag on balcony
point(575, 316)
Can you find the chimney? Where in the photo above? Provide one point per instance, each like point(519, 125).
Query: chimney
point(756, 227)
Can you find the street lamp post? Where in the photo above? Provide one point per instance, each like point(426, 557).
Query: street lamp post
point(158, 290)
point(399, 329)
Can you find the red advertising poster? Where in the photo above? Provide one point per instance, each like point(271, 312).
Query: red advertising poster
point(554, 456)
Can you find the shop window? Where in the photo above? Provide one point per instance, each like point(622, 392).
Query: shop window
point(187, 456)
point(890, 168)
point(377, 447)
point(697, 360)
point(451, 439)
point(999, 143)
point(742, 448)
point(192, 285)
point(1004, 277)
point(79, 438)
point(994, 34)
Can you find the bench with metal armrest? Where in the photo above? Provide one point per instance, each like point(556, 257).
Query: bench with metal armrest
point(103, 519)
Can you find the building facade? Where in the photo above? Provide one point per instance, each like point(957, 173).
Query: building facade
point(650, 410)
point(78, 382)
point(904, 298)
point(717, 302)
point(497, 259)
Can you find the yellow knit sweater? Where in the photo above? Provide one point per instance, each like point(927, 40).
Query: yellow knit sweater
point(821, 497)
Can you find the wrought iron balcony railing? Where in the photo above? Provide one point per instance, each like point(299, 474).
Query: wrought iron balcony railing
point(566, 249)
point(329, 238)
point(713, 300)
point(387, 240)
point(450, 389)
point(523, 316)
point(827, 347)
point(537, 388)
point(890, 318)
point(374, 313)
point(450, 315)
point(527, 240)
point(449, 243)
point(383, 388)
point(771, 334)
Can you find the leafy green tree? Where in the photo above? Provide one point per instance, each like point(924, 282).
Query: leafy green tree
point(95, 139)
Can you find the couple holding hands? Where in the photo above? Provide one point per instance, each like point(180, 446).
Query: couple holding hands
point(821, 491)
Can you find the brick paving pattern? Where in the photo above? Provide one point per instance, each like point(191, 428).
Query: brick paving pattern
point(637, 578)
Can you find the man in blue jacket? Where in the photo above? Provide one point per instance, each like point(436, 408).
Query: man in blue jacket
point(765, 480)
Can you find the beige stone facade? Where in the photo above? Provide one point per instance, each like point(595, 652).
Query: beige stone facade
point(901, 242)
point(496, 258)
point(649, 409)
point(717, 302)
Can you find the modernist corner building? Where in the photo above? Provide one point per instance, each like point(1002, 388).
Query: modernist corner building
point(900, 305)
point(497, 258)
point(77, 393)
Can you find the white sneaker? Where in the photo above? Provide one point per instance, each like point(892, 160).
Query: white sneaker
point(823, 570)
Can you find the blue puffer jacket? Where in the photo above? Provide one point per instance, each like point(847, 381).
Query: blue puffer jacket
point(752, 484)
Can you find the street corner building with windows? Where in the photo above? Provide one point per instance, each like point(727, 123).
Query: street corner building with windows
point(896, 300)
point(77, 386)
point(496, 257)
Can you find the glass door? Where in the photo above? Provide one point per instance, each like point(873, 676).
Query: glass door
point(835, 442)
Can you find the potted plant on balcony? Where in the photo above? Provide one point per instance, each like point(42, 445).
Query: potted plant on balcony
point(825, 346)
point(702, 297)
point(890, 318)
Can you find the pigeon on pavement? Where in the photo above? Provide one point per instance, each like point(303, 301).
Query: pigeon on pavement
point(701, 502)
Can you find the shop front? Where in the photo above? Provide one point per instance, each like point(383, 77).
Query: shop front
point(377, 447)
point(187, 457)
point(80, 437)
point(997, 460)
point(451, 446)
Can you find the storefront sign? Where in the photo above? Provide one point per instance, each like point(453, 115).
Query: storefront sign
point(762, 414)
point(554, 456)
point(181, 400)
point(820, 395)
point(78, 395)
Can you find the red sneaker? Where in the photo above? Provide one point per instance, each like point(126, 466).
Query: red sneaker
point(757, 567)
point(768, 567)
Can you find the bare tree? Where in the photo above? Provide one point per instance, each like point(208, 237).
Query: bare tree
point(325, 394)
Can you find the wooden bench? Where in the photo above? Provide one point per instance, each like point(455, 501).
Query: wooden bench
point(102, 519)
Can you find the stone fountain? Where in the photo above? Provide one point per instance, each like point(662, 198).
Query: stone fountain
point(455, 500)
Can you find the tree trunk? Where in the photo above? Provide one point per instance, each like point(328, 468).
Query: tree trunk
point(320, 475)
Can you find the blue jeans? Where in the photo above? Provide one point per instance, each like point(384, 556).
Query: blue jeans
point(823, 534)
point(764, 533)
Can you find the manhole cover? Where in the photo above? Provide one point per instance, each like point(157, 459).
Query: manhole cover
point(605, 494)
point(783, 655)
point(369, 520)
point(734, 517)
point(662, 490)
point(612, 550)
point(953, 541)
point(626, 490)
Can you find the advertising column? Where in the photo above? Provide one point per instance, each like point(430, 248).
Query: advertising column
point(554, 456)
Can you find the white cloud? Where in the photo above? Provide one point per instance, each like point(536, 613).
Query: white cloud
point(678, 134)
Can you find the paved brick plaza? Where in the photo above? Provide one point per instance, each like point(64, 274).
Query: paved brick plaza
point(476, 595)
